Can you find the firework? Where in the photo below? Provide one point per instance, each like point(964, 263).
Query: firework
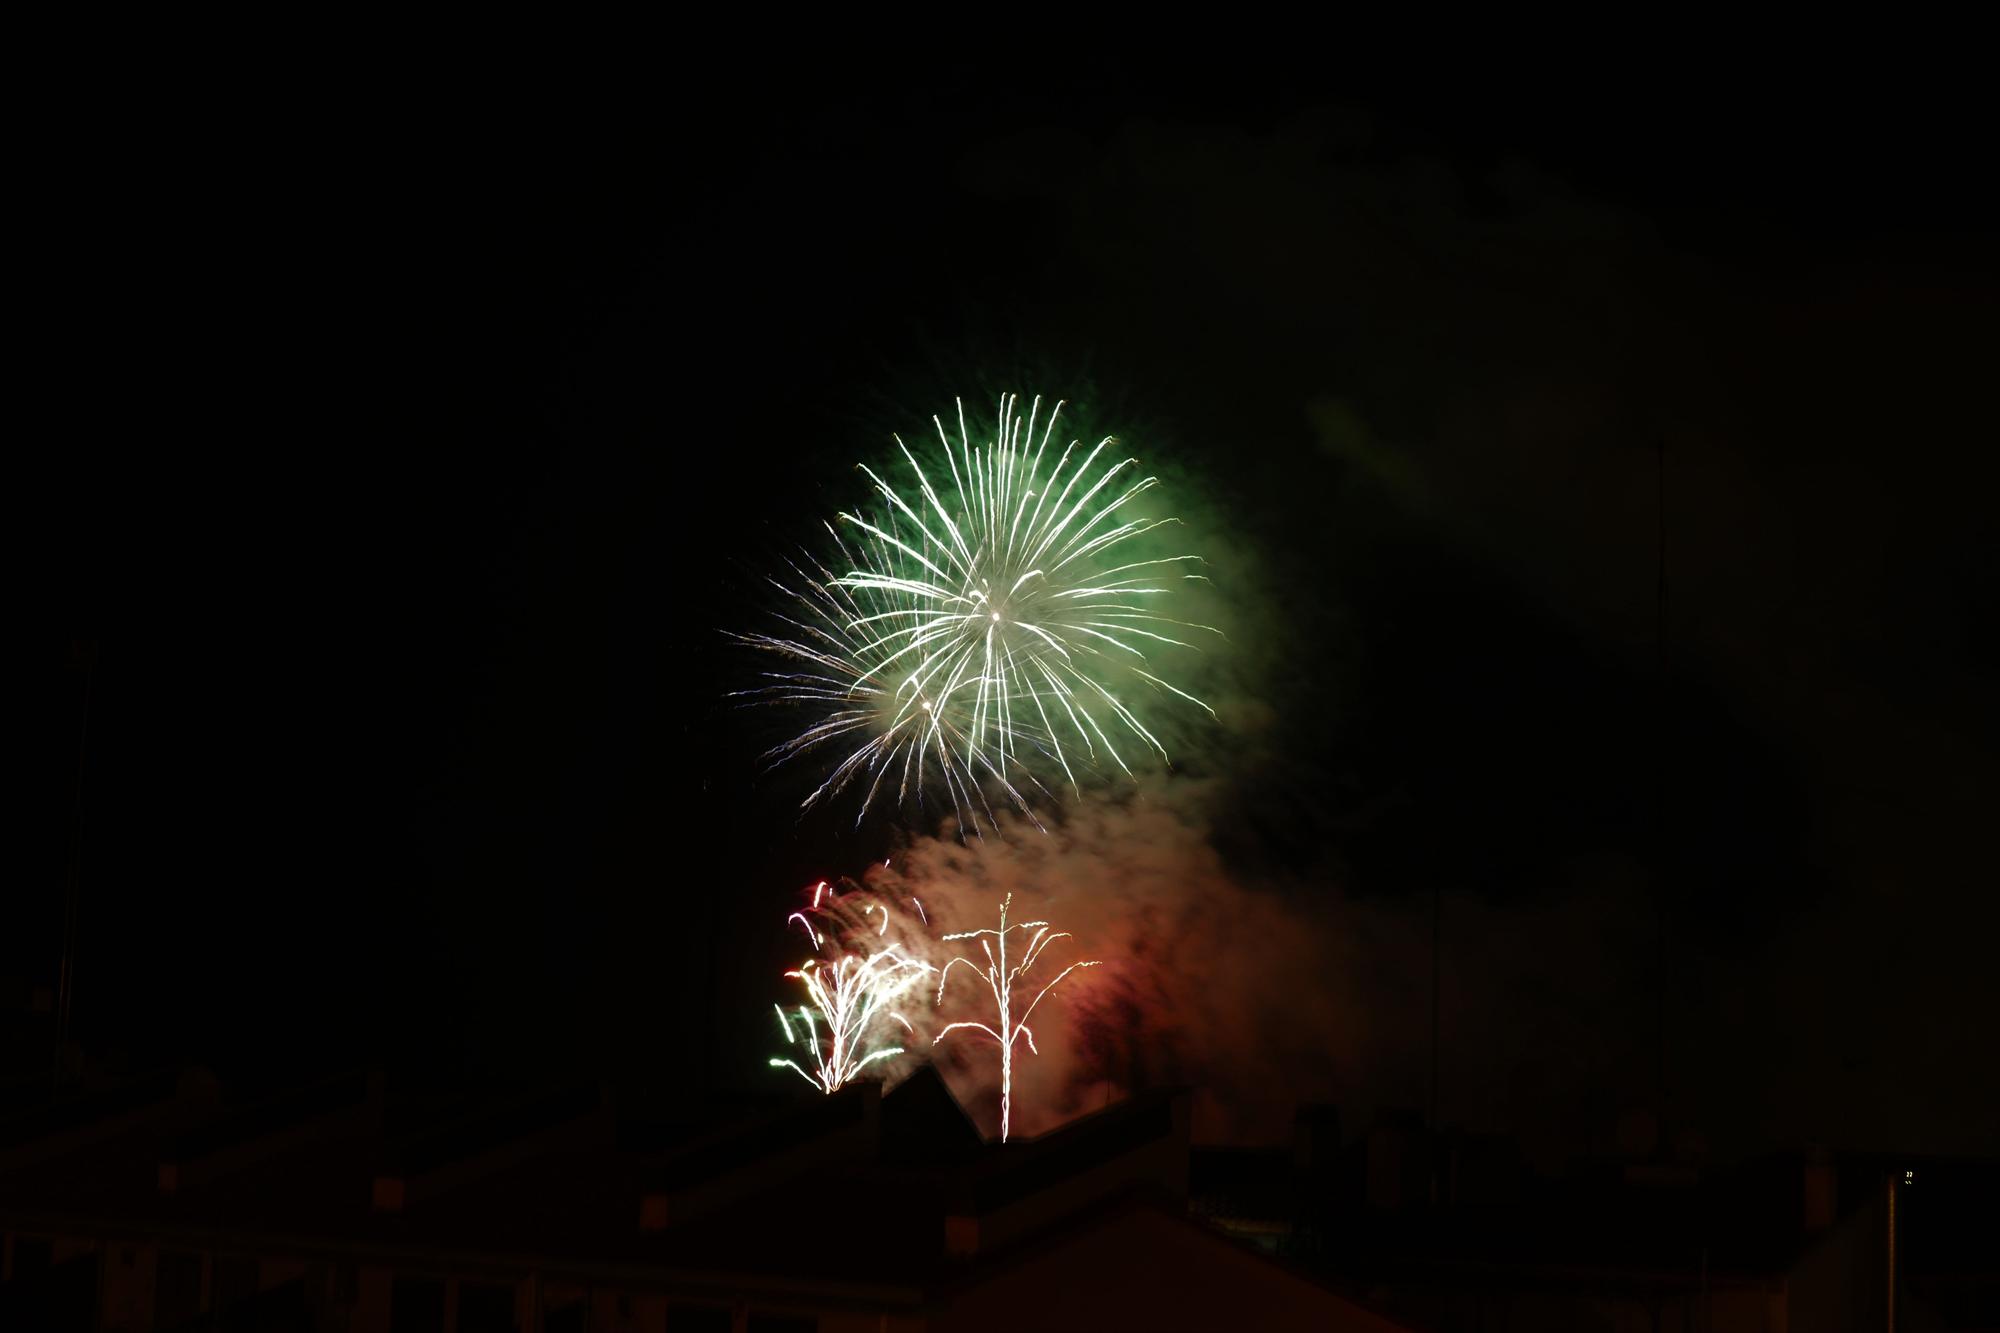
point(987, 627)
point(1000, 979)
point(845, 999)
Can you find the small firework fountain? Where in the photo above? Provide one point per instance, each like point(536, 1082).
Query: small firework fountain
point(846, 996)
point(989, 631)
point(1000, 979)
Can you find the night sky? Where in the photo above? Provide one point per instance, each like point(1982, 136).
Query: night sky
point(446, 439)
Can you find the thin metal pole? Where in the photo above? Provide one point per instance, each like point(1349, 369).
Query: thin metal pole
point(1435, 1001)
point(73, 885)
point(1890, 1304)
point(1664, 723)
point(1436, 917)
point(1705, 1309)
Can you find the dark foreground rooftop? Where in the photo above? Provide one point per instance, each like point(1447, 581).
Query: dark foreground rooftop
point(162, 1204)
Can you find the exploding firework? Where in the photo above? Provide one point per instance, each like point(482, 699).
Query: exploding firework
point(845, 998)
point(989, 633)
point(1000, 979)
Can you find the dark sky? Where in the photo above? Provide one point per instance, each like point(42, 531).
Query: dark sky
point(452, 431)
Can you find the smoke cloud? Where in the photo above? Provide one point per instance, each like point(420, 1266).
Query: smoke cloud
point(1261, 991)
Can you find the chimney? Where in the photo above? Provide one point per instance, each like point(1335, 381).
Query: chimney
point(1315, 1138)
point(1821, 1189)
point(1397, 1169)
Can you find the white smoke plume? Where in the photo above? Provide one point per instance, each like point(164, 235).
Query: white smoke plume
point(1203, 981)
point(1263, 993)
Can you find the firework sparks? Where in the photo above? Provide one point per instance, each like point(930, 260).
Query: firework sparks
point(989, 634)
point(1000, 979)
point(845, 999)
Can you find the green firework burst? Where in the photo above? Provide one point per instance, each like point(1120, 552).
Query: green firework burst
point(988, 628)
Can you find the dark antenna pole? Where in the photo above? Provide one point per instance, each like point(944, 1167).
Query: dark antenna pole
point(84, 653)
point(1435, 933)
point(1665, 724)
point(1437, 1141)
